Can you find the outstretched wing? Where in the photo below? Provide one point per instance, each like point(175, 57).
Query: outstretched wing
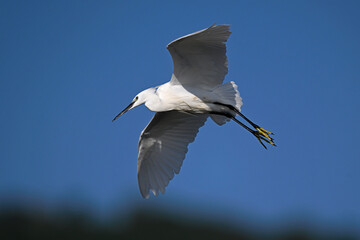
point(162, 148)
point(200, 58)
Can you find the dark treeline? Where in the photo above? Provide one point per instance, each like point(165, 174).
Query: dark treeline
point(17, 223)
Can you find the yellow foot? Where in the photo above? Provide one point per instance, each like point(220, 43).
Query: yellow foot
point(261, 133)
point(265, 133)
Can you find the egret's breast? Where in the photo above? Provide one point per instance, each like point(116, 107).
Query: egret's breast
point(176, 97)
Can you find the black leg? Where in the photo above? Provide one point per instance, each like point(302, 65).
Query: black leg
point(259, 134)
point(241, 115)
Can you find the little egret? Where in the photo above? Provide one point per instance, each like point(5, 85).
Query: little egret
point(183, 104)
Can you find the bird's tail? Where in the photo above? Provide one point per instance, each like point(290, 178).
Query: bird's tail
point(229, 95)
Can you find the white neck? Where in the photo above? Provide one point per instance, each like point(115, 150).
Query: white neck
point(153, 102)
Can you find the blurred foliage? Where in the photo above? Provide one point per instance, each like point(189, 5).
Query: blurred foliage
point(22, 223)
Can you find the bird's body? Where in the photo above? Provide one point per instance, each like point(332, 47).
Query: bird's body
point(168, 97)
point(183, 104)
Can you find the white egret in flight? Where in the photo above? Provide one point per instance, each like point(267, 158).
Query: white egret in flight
point(183, 104)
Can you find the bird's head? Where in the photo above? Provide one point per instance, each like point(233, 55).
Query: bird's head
point(139, 99)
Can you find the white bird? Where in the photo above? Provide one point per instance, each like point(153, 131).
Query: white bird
point(183, 104)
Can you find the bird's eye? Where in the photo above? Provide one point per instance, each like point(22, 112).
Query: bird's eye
point(136, 98)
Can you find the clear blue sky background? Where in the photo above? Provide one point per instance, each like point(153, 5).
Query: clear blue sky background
point(68, 67)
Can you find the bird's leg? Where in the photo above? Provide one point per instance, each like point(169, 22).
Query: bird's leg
point(261, 131)
point(257, 134)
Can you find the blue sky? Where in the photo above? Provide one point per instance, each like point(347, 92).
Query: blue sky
point(68, 67)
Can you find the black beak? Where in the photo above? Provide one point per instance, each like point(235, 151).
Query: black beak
point(124, 111)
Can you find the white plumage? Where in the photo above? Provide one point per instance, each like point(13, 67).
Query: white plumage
point(183, 105)
point(162, 148)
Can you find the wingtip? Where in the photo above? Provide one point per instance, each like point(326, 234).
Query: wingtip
point(145, 193)
point(146, 196)
point(155, 192)
point(223, 25)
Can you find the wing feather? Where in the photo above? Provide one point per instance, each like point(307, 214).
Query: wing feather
point(200, 58)
point(162, 148)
